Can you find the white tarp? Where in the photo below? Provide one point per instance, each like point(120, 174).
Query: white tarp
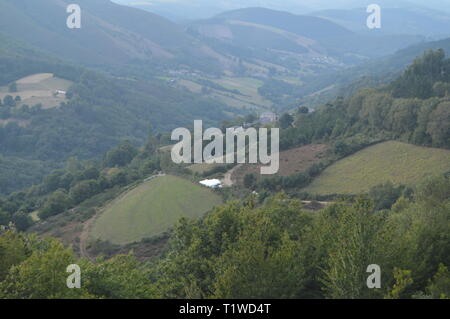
point(212, 183)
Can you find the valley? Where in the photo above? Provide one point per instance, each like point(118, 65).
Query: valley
point(89, 116)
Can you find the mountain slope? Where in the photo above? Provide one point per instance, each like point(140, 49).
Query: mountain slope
point(100, 111)
point(324, 38)
point(413, 21)
point(307, 26)
point(321, 88)
point(110, 33)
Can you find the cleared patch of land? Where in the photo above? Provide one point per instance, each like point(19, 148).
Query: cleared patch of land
point(243, 92)
point(21, 123)
point(152, 208)
point(291, 161)
point(203, 167)
point(393, 161)
point(39, 89)
point(35, 78)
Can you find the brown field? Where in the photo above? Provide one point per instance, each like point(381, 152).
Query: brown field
point(35, 78)
point(291, 161)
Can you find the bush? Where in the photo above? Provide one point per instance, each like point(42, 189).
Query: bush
point(55, 204)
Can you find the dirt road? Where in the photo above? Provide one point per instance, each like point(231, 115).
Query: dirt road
point(227, 181)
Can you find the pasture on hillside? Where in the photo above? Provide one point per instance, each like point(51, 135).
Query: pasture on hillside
point(243, 92)
point(393, 161)
point(151, 209)
point(39, 89)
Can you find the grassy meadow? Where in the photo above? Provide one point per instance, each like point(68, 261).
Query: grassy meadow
point(152, 208)
point(393, 161)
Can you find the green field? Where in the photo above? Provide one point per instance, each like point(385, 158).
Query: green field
point(151, 209)
point(392, 161)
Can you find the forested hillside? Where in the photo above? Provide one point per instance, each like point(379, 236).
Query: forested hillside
point(319, 89)
point(101, 111)
point(277, 250)
point(413, 108)
point(111, 34)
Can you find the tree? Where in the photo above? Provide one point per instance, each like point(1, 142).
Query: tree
point(14, 248)
point(52, 182)
point(90, 173)
point(121, 155)
point(419, 78)
point(56, 203)
point(351, 251)
point(286, 120)
point(403, 280)
point(12, 87)
point(439, 286)
point(5, 218)
point(439, 125)
point(250, 118)
point(249, 180)
point(84, 190)
point(22, 221)
point(385, 195)
point(441, 89)
point(121, 277)
point(8, 100)
point(42, 275)
point(303, 110)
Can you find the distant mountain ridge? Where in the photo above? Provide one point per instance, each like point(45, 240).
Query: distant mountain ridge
point(308, 26)
point(413, 21)
point(110, 33)
point(184, 10)
point(320, 37)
